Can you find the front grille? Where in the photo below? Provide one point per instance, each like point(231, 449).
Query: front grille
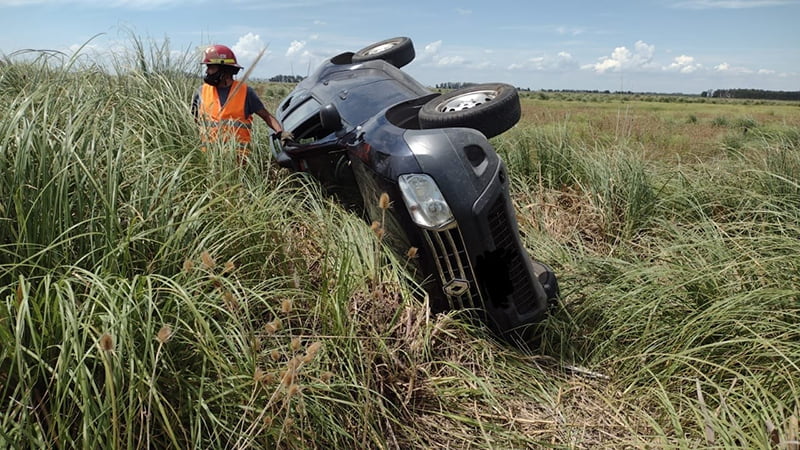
point(523, 293)
point(452, 264)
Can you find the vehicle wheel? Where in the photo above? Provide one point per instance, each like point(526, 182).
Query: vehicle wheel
point(488, 108)
point(397, 51)
point(547, 277)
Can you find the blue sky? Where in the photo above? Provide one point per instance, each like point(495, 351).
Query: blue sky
point(644, 46)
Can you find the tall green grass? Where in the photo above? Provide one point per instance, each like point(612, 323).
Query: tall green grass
point(691, 302)
point(155, 296)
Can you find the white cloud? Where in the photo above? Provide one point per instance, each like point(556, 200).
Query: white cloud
point(432, 55)
point(684, 64)
point(295, 48)
point(432, 49)
point(302, 57)
point(561, 62)
point(727, 68)
point(569, 31)
point(644, 51)
point(250, 42)
point(641, 58)
point(94, 48)
point(247, 48)
point(565, 60)
point(450, 61)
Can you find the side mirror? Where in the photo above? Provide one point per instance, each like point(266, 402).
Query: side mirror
point(330, 119)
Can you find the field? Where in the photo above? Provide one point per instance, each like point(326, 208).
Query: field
point(154, 296)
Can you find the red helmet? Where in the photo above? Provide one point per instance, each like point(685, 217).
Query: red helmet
point(219, 54)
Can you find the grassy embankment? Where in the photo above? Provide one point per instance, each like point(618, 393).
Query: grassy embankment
point(155, 296)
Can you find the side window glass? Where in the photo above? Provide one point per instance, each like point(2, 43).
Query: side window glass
point(303, 119)
point(310, 130)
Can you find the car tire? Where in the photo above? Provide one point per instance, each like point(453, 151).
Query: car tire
point(489, 108)
point(397, 51)
point(548, 280)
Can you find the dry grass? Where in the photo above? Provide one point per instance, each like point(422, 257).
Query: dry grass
point(567, 215)
point(669, 131)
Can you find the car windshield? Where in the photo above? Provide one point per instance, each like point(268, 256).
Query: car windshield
point(303, 111)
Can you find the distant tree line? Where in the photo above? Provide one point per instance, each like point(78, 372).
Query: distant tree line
point(757, 94)
point(454, 85)
point(459, 85)
point(286, 79)
point(606, 91)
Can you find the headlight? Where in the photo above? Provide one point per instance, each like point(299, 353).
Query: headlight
point(424, 201)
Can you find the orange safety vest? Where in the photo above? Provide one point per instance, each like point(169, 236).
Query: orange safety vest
point(228, 122)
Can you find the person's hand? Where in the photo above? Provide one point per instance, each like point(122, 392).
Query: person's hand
point(285, 136)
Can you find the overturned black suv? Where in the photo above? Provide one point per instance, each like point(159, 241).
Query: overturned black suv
point(363, 127)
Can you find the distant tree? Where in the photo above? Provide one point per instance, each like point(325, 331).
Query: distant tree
point(454, 85)
point(755, 94)
point(286, 79)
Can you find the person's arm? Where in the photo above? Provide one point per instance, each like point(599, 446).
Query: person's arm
point(271, 121)
point(253, 103)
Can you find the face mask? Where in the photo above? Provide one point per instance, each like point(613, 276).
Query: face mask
point(214, 78)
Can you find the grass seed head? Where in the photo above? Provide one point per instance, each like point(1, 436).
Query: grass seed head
point(230, 300)
point(106, 342)
point(312, 351)
point(412, 252)
point(326, 377)
point(286, 306)
point(272, 327)
point(275, 355)
point(208, 261)
point(259, 375)
point(295, 363)
point(384, 202)
point(295, 344)
point(188, 266)
point(287, 377)
point(229, 266)
point(292, 390)
point(164, 334)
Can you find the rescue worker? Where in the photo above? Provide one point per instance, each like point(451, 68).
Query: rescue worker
point(224, 107)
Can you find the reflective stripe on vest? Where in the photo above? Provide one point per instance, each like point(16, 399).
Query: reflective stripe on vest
point(224, 123)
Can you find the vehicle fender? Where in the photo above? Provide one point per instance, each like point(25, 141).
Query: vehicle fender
point(461, 160)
